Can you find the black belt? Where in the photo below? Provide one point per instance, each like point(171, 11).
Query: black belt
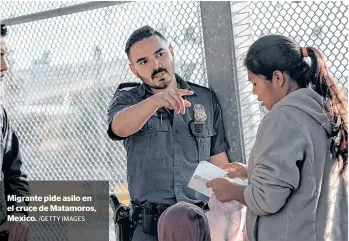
point(154, 209)
point(148, 214)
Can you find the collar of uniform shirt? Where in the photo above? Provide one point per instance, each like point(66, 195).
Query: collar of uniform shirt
point(144, 89)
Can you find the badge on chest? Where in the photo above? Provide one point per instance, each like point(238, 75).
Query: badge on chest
point(199, 112)
point(198, 125)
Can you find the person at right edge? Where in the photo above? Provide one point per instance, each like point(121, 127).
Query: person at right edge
point(297, 170)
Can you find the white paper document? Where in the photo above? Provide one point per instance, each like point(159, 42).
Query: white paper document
point(205, 172)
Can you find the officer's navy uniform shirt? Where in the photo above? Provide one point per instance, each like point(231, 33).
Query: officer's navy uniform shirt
point(163, 155)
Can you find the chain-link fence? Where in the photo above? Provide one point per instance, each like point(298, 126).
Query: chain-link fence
point(318, 24)
point(64, 71)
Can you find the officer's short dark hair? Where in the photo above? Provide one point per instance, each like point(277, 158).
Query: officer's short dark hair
point(140, 34)
point(3, 30)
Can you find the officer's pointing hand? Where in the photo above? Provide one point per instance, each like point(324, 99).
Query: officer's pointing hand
point(173, 100)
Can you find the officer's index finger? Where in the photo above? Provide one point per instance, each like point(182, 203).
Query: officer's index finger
point(182, 92)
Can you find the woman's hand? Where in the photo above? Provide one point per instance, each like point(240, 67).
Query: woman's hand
point(225, 189)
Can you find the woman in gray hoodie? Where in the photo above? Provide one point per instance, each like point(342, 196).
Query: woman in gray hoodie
point(297, 171)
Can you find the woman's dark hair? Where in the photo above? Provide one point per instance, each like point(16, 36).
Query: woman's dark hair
point(276, 52)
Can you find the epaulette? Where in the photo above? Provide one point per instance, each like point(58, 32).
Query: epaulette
point(128, 85)
point(197, 85)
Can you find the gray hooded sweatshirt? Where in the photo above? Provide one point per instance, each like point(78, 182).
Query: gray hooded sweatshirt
point(295, 192)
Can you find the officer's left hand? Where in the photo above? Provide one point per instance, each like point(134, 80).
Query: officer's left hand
point(19, 231)
point(224, 188)
point(236, 169)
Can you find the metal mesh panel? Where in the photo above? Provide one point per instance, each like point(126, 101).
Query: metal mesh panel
point(317, 24)
point(65, 70)
point(250, 108)
point(321, 25)
point(20, 8)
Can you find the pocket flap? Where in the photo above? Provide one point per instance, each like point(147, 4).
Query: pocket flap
point(154, 125)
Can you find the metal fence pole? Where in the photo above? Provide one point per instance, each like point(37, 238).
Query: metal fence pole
point(222, 71)
point(83, 7)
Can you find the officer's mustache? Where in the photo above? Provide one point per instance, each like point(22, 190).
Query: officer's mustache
point(155, 72)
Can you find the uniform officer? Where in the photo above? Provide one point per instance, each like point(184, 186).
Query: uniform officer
point(167, 126)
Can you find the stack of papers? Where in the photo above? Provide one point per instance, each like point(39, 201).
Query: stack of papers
point(205, 172)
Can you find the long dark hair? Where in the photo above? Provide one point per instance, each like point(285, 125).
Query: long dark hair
point(276, 52)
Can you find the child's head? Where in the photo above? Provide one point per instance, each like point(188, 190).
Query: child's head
point(183, 222)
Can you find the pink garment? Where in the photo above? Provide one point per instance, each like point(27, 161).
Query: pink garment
point(226, 220)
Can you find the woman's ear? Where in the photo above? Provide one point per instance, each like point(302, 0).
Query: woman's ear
point(278, 78)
